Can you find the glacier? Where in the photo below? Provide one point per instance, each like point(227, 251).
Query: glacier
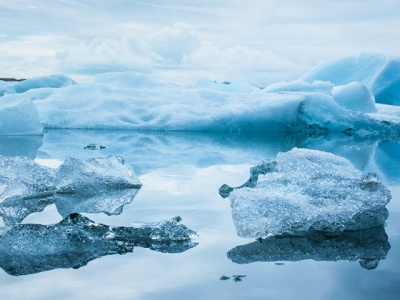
point(303, 190)
point(76, 186)
point(368, 246)
point(76, 240)
point(361, 101)
point(379, 73)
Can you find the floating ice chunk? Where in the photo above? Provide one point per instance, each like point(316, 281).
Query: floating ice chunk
point(92, 186)
point(380, 74)
point(22, 177)
point(96, 174)
point(110, 202)
point(368, 246)
point(307, 189)
point(18, 116)
point(76, 240)
point(51, 81)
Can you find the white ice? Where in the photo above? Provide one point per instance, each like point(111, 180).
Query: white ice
point(130, 100)
point(379, 73)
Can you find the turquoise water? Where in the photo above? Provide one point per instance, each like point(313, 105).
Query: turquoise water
point(181, 173)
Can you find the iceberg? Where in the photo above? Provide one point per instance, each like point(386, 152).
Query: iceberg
point(303, 190)
point(76, 240)
point(97, 105)
point(96, 174)
point(379, 73)
point(91, 186)
point(315, 103)
point(18, 116)
point(368, 246)
point(22, 177)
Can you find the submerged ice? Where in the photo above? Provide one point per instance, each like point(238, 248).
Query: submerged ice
point(76, 240)
point(306, 190)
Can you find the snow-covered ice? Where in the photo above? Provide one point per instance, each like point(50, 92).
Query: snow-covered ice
point(76, 240)
point(307, 189)
point(379, 73)
point(18, 116)
point(321, 100)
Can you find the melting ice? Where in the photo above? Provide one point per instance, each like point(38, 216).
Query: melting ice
point(304, 190)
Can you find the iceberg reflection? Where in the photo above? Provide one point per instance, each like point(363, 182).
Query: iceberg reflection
point(76, 240)
point(368, 246)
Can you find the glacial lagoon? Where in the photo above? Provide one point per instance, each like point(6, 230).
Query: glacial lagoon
point(181, 173)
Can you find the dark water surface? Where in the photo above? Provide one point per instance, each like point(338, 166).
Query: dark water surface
point(181, 173)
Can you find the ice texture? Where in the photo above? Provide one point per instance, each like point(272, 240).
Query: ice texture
point(15, 209)
point(96, 174)
point(76, 240)
point(91, 186)
point(338, 96)
point(379, 73)
point(22, 177)
point(110, 202)
point(368, 246)
point(355, 96)
point(18, 116)
point(307, 189)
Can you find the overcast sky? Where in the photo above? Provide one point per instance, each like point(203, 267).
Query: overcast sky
point(260, 41)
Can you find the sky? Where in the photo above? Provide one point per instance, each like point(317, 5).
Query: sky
point(255, 41)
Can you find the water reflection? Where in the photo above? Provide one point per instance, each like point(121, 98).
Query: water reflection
point(90, 201)
point(148, 151)
point(76, 240)
point(15, 209)
point(368, 246)
point(20, 145)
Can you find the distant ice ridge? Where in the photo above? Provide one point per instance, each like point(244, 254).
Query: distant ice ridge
point(320, 101)
point(76, 240)
point(379, 73)
point(92, 186)
point(51, 81)
point(306, 190)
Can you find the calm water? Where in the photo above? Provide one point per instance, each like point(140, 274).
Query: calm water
point(181, 174)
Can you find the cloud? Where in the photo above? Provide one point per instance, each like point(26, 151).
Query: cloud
point(224, 39)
